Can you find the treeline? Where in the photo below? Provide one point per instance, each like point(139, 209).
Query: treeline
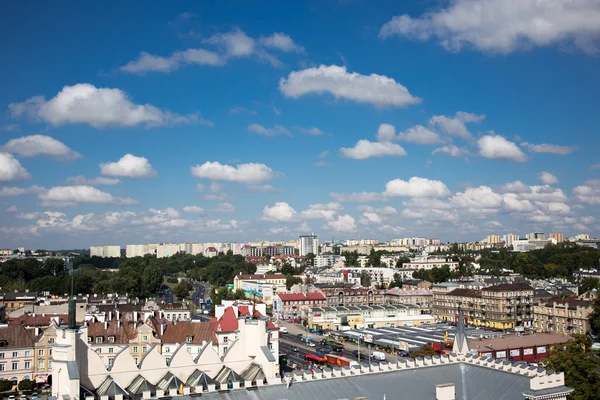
point(138, 277)
point(552, 261)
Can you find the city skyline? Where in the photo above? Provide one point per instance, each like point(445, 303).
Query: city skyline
point(228, 122)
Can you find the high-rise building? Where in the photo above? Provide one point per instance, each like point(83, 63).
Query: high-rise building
point(368, 242)
point(492, 239)
point(309, 244)
point(509, 238)
point(105, 251)
point(559, 237)
point(536, 236)
point(167, 250)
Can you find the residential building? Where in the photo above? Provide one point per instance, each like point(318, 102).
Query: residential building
point(105, 251)
point(291, 305)
point(416, 284)
point(503, 306)
point(492, 239)
point(428, 263)
point(43, 352)
point(523, 245)
point(535, 236)
point(509, 238)
point(309, 244)
point(569, 315)
point(359, 317)
point(353, 296)
point(176, 312)
point(378, 275)
point(368, 242)
point(17, 345)
point(418, 297)
point(164, 250)
point(211, 252)
point(140, 250)
point(15, 300)
point(272, 279)
point(328, 261)
point(559, 237)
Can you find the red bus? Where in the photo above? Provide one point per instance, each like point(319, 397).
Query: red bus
point(315, 359)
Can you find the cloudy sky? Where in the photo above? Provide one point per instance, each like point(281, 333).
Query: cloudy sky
point(140, 122)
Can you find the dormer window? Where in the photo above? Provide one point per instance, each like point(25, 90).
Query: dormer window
point(99, 339)
point(145, 338)
point(111, 339)
point(188, 339)
point(90, 339)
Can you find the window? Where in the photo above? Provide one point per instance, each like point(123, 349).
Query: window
point(135, 349)
point(225, 339)
point(111, 339)
point(40, 364)
point(99, 339)
point(135, 359)
point(167, 349)
point(50, 364)
point(90, 339)
point(27, 364)
point(110, 349)
point(1, 355)
point(2, 367)
point(49, 352)
point(51, 340)
point(111, 361)
point(27, 353)
point(145, 338)
point(144, 348)
point(15, 354)
point(40, 352)
point(15, 365)
point(188, 339)
point(225, 350)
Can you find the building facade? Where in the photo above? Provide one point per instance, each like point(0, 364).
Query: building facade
point(359, 317)
point(353, 297)
point(105, 251)
point(559, 237)
point(17, 358)
point(309, 244)
point(568, 316)
point(290, 305)
point(417, 297)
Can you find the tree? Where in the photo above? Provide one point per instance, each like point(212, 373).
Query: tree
point(425, 351)
point(397, 282)
point(351, 258)
point(401, 261)
point(595, 317)
point(182, 290)
point(365, 279)
point(580, 365)
point(588, 284)
point(6, 385)
point(26, 385)
point(287, 269)
point(291, 280)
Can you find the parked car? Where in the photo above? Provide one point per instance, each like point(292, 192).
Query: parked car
point(11, 397)
point(295, 349)
point(34, 396)
point(310, 344)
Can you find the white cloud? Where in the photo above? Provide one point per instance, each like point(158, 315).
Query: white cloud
point(451, 150)
point(241, 110)
point(224, 207)
point(28, 216)
point(515, 187)
point(343, 224)
point(512, 203)
point(152, 63)
point(478, 198)
point(456, 125)
point(251, 173)
point(86, 104)
point(500, 26)
point(588, 193)
point(263, 188)
point(281, 41)
point(595, 166)
point(554, 207)
point(427, 202)
point(364, 149)
point(10, 191)
point(193, 210)
point(497, 147)
point(357, 197)
point(97, 181)
point(370, 218)
point(420, 135)
point(378, 90)
point(11, 169)
point(199, 187)
point(544, 193)
point(386, 133)
point(72, 195)
point(274, 131)
point(235, 43)
point(129, 166)
point(35, 145)
point(216, 187)
point(12, 209)
point(550, 148)
point(217, 197)
point(547, 178)
point(381, 211)
point(416, 187)
point(280, 211)
point(321, 211)
point(314, 131)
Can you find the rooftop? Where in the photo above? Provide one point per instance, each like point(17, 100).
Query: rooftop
point(513, 342)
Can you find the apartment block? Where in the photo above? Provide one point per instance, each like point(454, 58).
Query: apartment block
point(559, 237)
point(105, 251)
point(568, 316)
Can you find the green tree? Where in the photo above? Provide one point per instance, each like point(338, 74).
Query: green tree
point(182, 290)
point(311, 258)
point(374, 259)
point(291, 280)
point(26, 384)
point(397, 282)
point(401, 261)
point(425, 351)
point(351, 258)
point(54, 266)
point(595, 317)
point(588, 284)
point(580, 365)
point(365, 279)
point(6, 385)
point(287, 269)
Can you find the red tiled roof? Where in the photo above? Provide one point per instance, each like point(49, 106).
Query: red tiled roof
point(271, 326)
point(38, 320)
point(301, 296)
point(228, 321)
point(211, 249)
point(570, 302)
point(15, 337)
point(199, 331)
point(122, 334)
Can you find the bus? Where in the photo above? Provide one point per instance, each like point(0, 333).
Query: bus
point(314, 359)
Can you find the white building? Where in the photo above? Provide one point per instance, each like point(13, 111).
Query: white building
point(368, 242)
point(378, 275)
point(105, 251)
point(309, 244)
point(528, 244)
point(509, 238)
point(139, 250)
point(428, 263)
point(167, 249)
point(330, 261)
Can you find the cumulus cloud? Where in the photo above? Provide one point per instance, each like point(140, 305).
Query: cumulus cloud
point(456, 125)
point(497, 147)
point(364, 149)
point(321, 211)
point(416, 187)
point(263, 188)
point(588, 193)
point(11, 169)
point(515, 187)
point(342, 224)
point(378, 90)
point(97, 181)
point(35, 145)
point(386, 133)
point(370, 218)
point(451, 150)
point(550, 148)
point(501, 26)
point(235, 43)
point(544, 193)
point(129, 166)
point(251, 173)
point(281, 41)
point(73, 195)
point(10, 191)
point(478, 198)
point(280, 211)
point(193, 210)
point(381, 211)
point(152, 63)
point(274, 131)
point(224, 207)
point(420, 135)
point(314, 131)
point(99, 107)
point(357, 197)
point(547, 178)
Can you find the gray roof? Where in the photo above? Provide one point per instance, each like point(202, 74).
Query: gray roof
point(471, 382)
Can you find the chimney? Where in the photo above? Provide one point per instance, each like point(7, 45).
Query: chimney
point(162, 328)
point(110, 315)
point(37, 331)
point(445, 391)
point(105, 325)
point(118, 323)
point(135, 315)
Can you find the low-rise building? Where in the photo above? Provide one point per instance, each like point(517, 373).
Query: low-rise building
point(290, 305)
point(378, 275)
point(105, 251)
point(15, 300)
point(416, 284)
point(430, 263)
point(527, 348)
point(359, 317)
point(353, 296)
point(421, 298)
point(273, 279)
point(569, 315)
point(17, 345)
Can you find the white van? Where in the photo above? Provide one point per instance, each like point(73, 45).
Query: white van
point(283, 329)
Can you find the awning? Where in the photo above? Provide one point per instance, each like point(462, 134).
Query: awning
point(228, 375)
point(199, 378)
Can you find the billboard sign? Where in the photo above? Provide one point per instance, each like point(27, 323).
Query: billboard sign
point(528, 352)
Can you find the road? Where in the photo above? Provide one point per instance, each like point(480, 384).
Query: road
point(166, 294)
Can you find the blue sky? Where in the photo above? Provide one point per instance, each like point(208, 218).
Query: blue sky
point(336, 117)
